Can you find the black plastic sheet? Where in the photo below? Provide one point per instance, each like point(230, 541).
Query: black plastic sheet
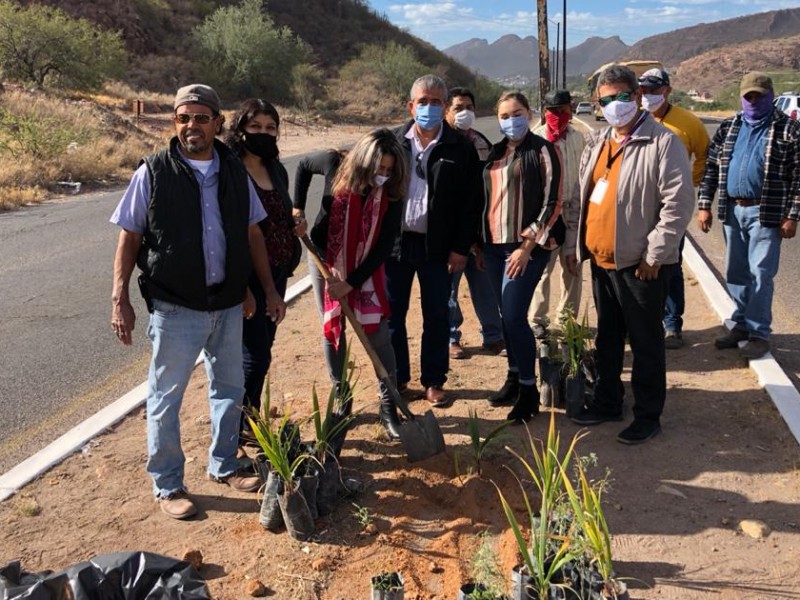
point(117, 576)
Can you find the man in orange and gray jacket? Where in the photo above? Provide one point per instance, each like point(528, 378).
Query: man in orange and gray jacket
point(636, 198)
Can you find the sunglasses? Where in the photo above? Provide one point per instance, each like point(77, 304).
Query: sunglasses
point(199, 118)
point(652, 82)
point(418, 168)
point(622, 97)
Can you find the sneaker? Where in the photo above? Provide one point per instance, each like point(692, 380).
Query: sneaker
point(539, 331)
point(177, 505)
point(241, 481)
point(595, 416)
point(673, 340)
point(754, 348)
point(731, 339)
point(639, 432)
point(457, 352)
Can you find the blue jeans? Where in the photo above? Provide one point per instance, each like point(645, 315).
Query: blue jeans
point(751, 263)
point(513, 298)
point(179, 334)
point(434, 286)
point(675, 302)
point(483, 303)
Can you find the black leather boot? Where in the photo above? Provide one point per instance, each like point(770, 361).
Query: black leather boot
point(526, 406)
point(506, 395)
point(389, 419)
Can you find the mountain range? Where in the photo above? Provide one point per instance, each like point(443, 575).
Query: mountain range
point(514, 59)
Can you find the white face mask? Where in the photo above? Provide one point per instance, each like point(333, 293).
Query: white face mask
point(380, 180)
point(618, 113)
point(464, 119)
point(652, 102)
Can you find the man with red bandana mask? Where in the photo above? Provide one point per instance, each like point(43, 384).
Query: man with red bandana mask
point(569, 143)
point(754, 165)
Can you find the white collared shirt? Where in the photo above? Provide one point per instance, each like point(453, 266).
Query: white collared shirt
point(415, 214)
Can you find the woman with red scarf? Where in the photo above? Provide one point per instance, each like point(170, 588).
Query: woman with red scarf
point(354, 233)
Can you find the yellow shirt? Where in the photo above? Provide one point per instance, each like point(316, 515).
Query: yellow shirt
point(688, 126)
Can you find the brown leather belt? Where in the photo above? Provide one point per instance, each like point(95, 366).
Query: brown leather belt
point(745, 201)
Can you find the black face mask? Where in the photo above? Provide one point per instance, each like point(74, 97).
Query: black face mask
point(262, 145)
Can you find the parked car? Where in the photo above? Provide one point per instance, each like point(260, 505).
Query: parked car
point(583, 108)
point(789, 103)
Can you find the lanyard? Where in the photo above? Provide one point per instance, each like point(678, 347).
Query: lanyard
point(611, 159)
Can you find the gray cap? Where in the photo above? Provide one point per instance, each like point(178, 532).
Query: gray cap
point(197, 93)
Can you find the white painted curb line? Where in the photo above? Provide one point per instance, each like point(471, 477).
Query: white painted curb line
point(78, 436)
point(770, 375)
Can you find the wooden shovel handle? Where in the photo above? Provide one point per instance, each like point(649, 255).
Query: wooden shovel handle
point(380, 370)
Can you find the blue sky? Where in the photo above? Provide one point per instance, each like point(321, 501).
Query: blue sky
point(449, 22)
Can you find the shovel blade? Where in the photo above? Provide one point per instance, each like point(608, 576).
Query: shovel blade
point(422, 437)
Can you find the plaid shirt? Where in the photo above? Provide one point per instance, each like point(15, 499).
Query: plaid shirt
point(780, 195)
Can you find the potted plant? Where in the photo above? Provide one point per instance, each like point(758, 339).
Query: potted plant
point(545, 550)
point(281, 447)
point(330, 429)
point(577, 337)
point(486, 577)
point(589, 517)
point(551, 365)
point(388, 585)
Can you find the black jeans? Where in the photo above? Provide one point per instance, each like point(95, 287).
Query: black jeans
point(627, 305)
point(258, 334)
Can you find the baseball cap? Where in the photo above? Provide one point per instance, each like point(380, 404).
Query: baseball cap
point(197, 93)
point(557, 98)
point(755, 82)
point(654, 78)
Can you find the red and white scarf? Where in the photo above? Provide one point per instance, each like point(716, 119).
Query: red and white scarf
point(353, 229)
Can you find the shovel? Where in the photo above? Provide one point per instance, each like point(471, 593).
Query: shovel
point(421, 436)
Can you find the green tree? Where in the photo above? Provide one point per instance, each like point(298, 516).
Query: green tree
point(394, 66)
point(246, 54)
point(44, 46)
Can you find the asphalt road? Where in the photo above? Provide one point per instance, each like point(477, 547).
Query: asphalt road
point(60, 363)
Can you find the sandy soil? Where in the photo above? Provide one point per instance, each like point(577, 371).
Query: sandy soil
point(674, 507)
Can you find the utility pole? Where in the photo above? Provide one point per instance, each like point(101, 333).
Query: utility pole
point(544, 52)
point(555, 56)
point(564, 47)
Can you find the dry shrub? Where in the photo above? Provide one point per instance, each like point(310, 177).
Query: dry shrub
point(12, 197)
point(366, 100)
point(45, 140)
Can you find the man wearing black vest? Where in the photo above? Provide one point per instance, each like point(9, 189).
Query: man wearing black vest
point(189, 221)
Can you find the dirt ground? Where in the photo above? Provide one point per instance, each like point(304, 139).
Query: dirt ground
point(674, 507)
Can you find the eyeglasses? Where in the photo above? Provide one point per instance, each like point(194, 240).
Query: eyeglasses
point(622, 97)
point(199, 118)
point(418, 168)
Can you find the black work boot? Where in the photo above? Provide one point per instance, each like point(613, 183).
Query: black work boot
point(389, 419)
point(526, 406)
point(506, 395)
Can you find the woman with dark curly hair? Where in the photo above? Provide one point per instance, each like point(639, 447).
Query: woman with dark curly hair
point(254, 137)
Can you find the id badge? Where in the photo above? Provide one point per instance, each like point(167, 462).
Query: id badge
point(599, 191)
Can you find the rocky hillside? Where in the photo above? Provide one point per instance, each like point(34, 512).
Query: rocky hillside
point(157, 34)
point(511, 56)
point(676, 46)
point(717, 69)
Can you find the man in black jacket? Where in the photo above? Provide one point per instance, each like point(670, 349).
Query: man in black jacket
point(440, 216)
point(189, 219)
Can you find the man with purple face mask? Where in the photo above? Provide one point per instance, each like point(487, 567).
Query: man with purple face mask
point(754, 164)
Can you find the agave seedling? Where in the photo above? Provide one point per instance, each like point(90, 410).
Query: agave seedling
point(478, 445)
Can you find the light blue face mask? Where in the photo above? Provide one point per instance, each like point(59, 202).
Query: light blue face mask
point(429, 116)
point(514, 128)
